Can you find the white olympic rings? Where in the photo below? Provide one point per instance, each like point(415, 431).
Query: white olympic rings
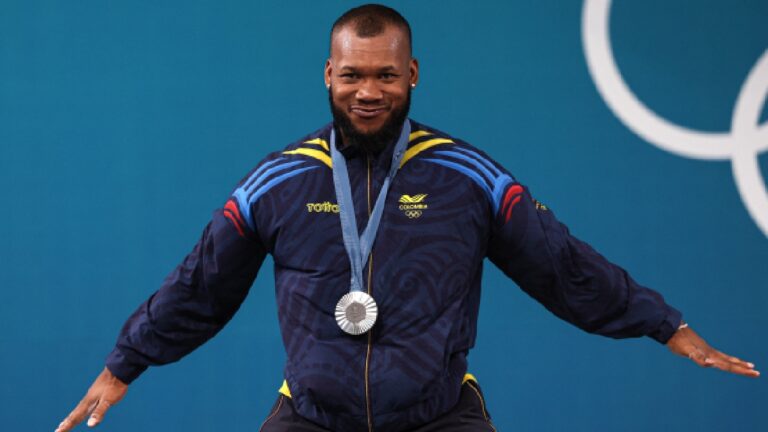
point(746, 139)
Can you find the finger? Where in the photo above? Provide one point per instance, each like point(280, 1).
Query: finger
point(65, 425)
point(76, 416)
point(98, 413)
point(733, 360)
point(737, 369)
point(741, 362)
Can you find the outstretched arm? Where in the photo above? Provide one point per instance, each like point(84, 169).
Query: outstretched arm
point(571, 279)
point(580, 286)
point(195, 301)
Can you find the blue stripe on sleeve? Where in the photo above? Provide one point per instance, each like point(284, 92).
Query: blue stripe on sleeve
point(272, 170)
point(467, 171)
point(258, 172)
point(252, 189)
point(498, 183)
point(482, 159)
point(469, 160)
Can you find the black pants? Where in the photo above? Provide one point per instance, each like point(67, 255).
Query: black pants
point(468, 415)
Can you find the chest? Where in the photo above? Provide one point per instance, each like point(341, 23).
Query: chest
point(428, 210)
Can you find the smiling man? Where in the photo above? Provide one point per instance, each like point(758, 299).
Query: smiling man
point(370, 75)
point(378, 227)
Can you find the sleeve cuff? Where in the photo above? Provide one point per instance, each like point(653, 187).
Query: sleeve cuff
point(122, 368)
point(668, 326)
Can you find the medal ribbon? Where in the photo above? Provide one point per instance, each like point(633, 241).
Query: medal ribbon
point(359, 247)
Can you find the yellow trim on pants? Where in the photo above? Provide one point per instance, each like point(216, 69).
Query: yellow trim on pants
point(285, 391)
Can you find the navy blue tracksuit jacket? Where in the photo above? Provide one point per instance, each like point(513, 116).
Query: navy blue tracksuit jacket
point(450, 206)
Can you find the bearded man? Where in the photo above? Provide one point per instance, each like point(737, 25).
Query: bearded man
point(378, 227)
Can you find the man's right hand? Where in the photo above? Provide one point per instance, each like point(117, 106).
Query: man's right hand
point(106, 391)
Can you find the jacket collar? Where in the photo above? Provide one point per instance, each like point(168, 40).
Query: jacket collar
point(381, 160)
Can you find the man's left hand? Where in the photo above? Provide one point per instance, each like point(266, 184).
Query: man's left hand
point(687, 343)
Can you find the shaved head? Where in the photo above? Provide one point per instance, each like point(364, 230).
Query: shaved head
point(371, 20)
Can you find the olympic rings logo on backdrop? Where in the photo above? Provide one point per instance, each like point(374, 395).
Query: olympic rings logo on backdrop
point(741, 145)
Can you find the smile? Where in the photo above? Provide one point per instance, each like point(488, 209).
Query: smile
point(365, 112)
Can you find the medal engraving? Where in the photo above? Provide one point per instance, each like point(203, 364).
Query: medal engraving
point(355, 312)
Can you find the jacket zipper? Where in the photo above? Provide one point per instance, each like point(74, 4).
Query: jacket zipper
point(370, 332)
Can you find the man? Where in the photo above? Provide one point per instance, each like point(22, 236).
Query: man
point(377, 326)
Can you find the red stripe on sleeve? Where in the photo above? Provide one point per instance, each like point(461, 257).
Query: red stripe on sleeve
point(509, 210)
point(228, 214)
point(512, 191)
point(231, 206)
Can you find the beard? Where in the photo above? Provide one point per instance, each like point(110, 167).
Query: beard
point(370, 142)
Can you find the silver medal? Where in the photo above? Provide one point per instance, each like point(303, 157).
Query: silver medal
point(356, 312)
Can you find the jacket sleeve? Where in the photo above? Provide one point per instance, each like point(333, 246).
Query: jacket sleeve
point(195, 301)
point(569, 277)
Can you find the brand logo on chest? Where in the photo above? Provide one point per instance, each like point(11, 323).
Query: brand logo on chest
point(413, 206)
point(323, 207)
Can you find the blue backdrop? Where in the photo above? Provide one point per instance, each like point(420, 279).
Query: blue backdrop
point(124, 124)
